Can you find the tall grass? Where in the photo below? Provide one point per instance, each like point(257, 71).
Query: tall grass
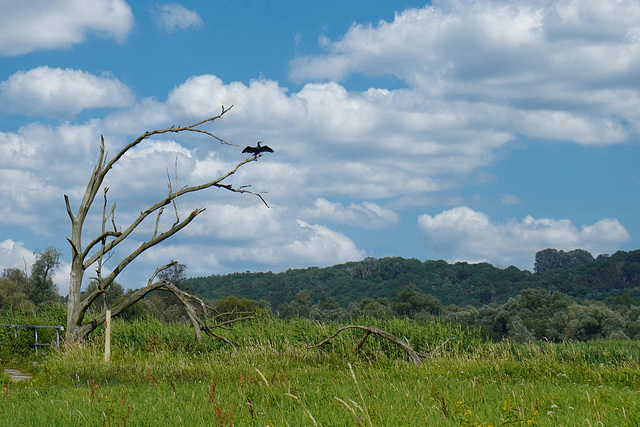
point(159, 374)
point(16, 343)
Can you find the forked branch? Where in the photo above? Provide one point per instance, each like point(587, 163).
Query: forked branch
point(187, 300)
point(99, 248)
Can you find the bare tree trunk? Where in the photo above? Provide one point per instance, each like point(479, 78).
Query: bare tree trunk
point(101, 246)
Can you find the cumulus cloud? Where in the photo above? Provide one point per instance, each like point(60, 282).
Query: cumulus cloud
point(300, 244)
point(319, 244)
point(14, 255)
point(464, 234)
point(61, 277)
point(37, 165)
point(174, 16)
point(206, 247)
point(371, 148)
point(494, 41)
point(366, 214)
point(235, 231)
point(370, 145)
point(553, 70)
point(45, 90)
point(26, 26)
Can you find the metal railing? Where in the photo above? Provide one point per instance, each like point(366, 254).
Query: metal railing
point(37, 344)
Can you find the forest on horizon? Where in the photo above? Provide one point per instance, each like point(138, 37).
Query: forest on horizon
point(607, 278)
point(571, 295)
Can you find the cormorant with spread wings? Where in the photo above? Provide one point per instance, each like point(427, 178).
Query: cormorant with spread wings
point(258, 150)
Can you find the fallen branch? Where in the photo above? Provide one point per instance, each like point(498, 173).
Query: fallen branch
point(415, 357)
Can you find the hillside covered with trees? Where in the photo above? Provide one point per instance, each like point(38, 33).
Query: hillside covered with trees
point(576, 273)
point(571, 296)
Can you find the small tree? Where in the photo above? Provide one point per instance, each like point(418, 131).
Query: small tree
point(26, 291)
point(42, 288)
point(99, 248)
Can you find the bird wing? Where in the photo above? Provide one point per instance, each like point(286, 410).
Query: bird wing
point(266, 148)
point(248, 149)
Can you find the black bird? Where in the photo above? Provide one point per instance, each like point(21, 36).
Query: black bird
point(257, 150)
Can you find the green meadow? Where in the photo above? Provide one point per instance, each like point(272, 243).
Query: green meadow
point(160, 375)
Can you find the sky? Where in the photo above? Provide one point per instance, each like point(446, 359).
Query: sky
point(478, 131)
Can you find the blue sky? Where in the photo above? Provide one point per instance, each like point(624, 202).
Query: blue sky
point(458, 130)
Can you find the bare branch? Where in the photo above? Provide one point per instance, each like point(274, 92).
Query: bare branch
point(101, 238)
point(433, 352)
point(113, 217)
point(416, 357)
point(413, 355)
point(104, 239)
point(159, 270)
point(73, 247)
point(230, 321)
point(167, 200)
point(175, 129)
point(108, 240)
point(68, 205)
point(105, 282)
point(155, 230)
point(198, 324)
point(152, 242)
point(102, 287)
point(175, 205)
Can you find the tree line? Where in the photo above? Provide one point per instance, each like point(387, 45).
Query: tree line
point(575, 273)
point(534, 314)
point(571, 296)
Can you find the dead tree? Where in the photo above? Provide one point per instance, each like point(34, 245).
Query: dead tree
point(98, 249)
point(415, 357)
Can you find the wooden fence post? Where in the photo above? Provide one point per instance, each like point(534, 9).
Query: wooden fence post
point(107, 338)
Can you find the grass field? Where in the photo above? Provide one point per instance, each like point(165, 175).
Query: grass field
point(159, 375)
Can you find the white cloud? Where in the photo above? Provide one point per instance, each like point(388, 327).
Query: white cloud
point(38, 164)
point(45, 90)
point(61, 277)
point(372, 148)
point(174, 16)
point(300, 245)
point(367, 214)
point(34, 146)
point(14, 255)
point(370, 145)
point(492, 41)
point(249, 222)
point(553, 70)
point(220, 242)
point(26, 26)
point(464, 234)
point(318, 244)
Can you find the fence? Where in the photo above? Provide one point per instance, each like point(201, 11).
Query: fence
point(37, 344)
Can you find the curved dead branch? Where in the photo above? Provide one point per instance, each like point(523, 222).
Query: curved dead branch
point(415, 357)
